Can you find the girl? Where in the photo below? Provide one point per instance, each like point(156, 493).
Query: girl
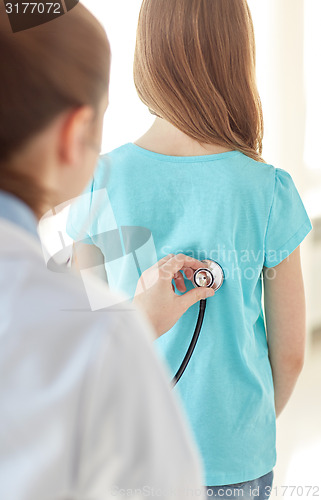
point(198, 182)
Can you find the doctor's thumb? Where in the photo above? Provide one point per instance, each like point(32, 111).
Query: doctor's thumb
point(195, 295)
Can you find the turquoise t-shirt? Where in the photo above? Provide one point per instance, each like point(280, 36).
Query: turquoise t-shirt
point(226, 207)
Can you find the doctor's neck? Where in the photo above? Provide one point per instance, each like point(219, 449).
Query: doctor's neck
point(164, 138)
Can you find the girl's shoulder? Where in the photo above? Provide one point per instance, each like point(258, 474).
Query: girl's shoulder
point(245, 170)
point(119, 153)
point(107, 162)
point(265, 175)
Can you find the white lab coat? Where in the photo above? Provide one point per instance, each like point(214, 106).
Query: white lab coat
point(86, 409)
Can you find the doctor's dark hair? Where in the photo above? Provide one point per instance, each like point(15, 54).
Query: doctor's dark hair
point(61, 65)
point(195, 67)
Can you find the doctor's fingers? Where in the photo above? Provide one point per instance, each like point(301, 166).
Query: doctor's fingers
point(162, 261)
point(169, 268)
point(178, 262)
point(151, 275)
point(179, 282)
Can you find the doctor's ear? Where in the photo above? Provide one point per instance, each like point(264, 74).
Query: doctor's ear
point(77, 134)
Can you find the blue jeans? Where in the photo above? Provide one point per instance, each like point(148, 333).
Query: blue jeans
point(258, 489)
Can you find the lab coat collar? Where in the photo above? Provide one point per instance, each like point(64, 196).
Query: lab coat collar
point(15, 240)
point(17, 212)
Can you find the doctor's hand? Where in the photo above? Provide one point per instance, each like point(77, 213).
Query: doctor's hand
point(155, 293)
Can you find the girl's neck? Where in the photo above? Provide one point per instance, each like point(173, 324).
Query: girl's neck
point(164, 138)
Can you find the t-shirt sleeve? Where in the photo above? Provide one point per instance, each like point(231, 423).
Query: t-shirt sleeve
point(288, 222)
point(91, 212)
point(79, 217)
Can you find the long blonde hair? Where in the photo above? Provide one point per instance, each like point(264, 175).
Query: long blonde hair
point(195, 67)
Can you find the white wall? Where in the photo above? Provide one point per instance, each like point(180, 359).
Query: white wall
point(127, 118)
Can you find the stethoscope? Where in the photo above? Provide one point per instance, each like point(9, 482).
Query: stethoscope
point(210, 277)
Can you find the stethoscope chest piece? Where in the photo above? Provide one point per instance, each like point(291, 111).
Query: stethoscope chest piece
point(209, 277)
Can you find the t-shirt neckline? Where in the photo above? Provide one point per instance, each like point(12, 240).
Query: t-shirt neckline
point(168, 158)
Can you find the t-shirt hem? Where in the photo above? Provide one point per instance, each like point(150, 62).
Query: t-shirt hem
point(230, 479)
point(291, 244)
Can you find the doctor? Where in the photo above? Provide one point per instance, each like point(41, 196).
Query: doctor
point(86, 408)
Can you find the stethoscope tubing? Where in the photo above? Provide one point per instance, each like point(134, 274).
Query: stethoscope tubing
point(201, 314)
point(192, 345)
